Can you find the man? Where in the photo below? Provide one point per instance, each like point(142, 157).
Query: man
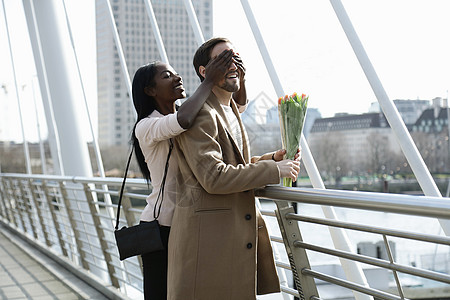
point(219, 247)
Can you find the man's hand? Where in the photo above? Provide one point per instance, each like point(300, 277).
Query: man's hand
point(240, 66)
point(240, 97)
point(279, 155)
point(289, 169)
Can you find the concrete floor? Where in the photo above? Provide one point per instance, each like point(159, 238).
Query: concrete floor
point(25, 273)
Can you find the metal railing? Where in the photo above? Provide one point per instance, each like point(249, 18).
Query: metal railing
point(68, 217)
point(415, 207)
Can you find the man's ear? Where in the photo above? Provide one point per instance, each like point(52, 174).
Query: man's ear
point(149, 91)
point(202, 71)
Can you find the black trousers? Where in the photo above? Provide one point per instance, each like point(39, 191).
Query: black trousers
point(155, 270)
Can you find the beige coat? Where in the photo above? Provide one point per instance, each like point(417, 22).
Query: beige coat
point(219, 247)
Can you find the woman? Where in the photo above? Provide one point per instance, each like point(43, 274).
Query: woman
point(156, 87)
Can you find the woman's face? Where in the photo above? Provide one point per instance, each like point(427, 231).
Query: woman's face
point(168, 84)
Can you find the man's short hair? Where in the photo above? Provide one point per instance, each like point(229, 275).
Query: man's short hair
point(203, 54)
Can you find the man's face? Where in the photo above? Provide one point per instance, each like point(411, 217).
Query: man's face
point(230, 81)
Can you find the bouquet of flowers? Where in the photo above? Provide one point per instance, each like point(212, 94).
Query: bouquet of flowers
point(292, 113)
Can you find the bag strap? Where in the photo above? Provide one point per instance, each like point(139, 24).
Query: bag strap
point(121, 189)
point(160, 191)
point(163, 183)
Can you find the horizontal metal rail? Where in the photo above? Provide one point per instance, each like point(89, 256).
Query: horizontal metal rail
point(347, 284)
point(394, 203)
point(444, 240)
point(377, 262)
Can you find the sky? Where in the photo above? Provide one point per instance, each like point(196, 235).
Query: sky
point(407, 41)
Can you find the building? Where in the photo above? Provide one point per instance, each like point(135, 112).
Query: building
point(264, 136)
point(431, 135)
point(263, 125)
point(115, 111)
point(257, 109)
point(311, 115)
point(352, 142)
point(434, 119)
point(410, 110)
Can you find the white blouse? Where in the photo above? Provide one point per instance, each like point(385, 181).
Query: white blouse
point(153, 134)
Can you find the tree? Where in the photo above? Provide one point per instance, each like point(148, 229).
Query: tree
point(330, 158)
point(378, 154)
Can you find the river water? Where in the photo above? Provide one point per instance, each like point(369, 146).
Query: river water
point(413, 253)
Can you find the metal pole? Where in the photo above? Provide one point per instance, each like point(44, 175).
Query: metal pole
point(194, 22)
point(413, 156)
point(64, 86)
point(38, 128)
point(53, 136)
point(448, 141)
point(123, 62)
point(25, 143)
point(352, 270)
point(156, 32)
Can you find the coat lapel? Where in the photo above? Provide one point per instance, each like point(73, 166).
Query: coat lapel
point(245, 144)
point(214, 102)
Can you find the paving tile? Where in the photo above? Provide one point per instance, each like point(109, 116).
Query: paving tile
point(35, 289)
point(13, 292)
point(56, 287)
point(64, 296)
point(6, 281)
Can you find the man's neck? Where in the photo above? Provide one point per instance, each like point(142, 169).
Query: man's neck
point(222, 95)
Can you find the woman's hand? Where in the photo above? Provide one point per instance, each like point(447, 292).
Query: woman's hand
point(217, 67)
point(279, 155)
point(240, 66)
point(289, 168)
point(215, 71)
point(240, 97)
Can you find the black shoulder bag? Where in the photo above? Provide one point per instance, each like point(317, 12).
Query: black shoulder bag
point(144, 237)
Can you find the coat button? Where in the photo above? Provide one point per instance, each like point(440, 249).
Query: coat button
point(248, 216)
point(249, 246)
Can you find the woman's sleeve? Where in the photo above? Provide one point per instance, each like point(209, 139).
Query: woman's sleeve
point(160, 128)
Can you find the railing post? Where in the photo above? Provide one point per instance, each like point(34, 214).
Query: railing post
point(16, 205)
point(8, 196)
point(35, 197)
point(73, 224)
point(28, 208)
point(101, 235)
point(298, 258)
point(391, 259)
point(5, 210)
point(54, 219)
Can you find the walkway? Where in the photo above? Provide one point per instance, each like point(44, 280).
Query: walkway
point(26, 273)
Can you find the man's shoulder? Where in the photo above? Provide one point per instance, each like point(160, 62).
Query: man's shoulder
point(205, 122)
point(206, 111)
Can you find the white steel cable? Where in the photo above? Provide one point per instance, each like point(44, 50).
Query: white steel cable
point(156, 31)
point(119, 48)
point(194, 22)
point(25, 143)
point(38, 128)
